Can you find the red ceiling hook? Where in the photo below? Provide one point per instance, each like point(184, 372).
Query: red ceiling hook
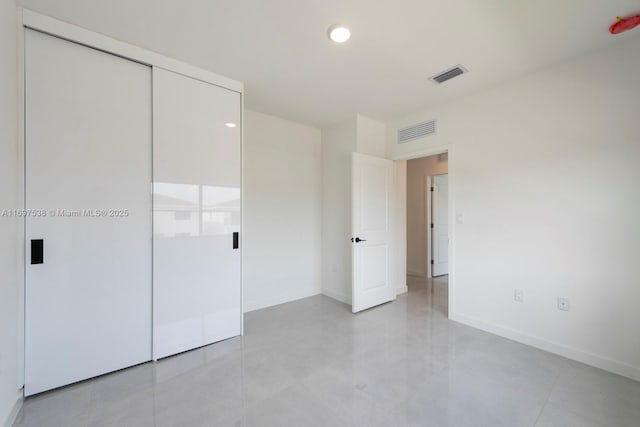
point(624, 24)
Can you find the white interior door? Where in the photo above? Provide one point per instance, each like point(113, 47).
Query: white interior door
point(88, 168)
point(196, 211)
point(371, 207)
point(440, 218)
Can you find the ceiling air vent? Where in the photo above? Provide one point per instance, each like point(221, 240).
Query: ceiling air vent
point(416, 131)
point(448, 74)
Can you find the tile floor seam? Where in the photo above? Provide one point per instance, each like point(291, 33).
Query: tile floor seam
point(546, 401)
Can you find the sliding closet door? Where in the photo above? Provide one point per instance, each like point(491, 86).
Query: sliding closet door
point(88, 174)
point(196, 213)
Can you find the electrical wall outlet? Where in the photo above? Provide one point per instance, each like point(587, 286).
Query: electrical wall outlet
point(563, 304)
point(518, 295)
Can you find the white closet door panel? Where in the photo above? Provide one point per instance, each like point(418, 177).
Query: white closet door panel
point(88, 147)
point(196, 158)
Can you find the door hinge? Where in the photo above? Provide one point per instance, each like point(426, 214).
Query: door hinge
point(431, 188)
point(431, 262)
point(431, 225)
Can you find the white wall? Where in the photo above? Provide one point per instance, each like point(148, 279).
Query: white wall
point(399, 234)
point(282, 256)
point(546, 174)
point(338, 142)
point(417, 172)
point(10, 277)
point(370, 136)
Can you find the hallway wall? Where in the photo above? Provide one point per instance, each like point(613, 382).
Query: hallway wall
point(417, 172)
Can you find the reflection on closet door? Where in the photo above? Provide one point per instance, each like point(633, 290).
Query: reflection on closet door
point(88, 169)
point(196, 213)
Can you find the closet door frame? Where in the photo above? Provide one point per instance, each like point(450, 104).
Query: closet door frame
point(36, 21)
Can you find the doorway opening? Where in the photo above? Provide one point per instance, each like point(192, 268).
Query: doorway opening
point(427, 218)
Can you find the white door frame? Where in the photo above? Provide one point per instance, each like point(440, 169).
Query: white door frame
point(428, 194)
point(441, 149)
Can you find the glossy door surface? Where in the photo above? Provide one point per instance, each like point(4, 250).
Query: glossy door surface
point(440, 215)
point(371, 178)
point(196, 210)
point(88, 169)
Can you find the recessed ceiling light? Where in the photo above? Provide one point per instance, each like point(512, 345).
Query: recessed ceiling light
point(230, 125)
point(339, 33)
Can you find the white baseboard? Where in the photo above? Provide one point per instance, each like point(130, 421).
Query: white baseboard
point(14, 412)
point(252, 305)
point(402, 290)
point(590, 359)
point(337, 296)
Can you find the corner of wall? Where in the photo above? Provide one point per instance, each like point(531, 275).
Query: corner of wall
point(13, 415)
point(338, 296)
point(275, 150)
point(338, 142)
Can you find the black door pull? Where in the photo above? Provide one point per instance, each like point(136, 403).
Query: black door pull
point(358, 240)
point(37, 251)
point(235, 240)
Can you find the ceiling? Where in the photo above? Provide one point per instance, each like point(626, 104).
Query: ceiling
point(280, 50)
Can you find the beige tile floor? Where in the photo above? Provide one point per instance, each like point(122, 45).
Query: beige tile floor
point(313, 363)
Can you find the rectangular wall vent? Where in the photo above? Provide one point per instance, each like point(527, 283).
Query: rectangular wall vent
point(416, 131)
point(448, 74)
